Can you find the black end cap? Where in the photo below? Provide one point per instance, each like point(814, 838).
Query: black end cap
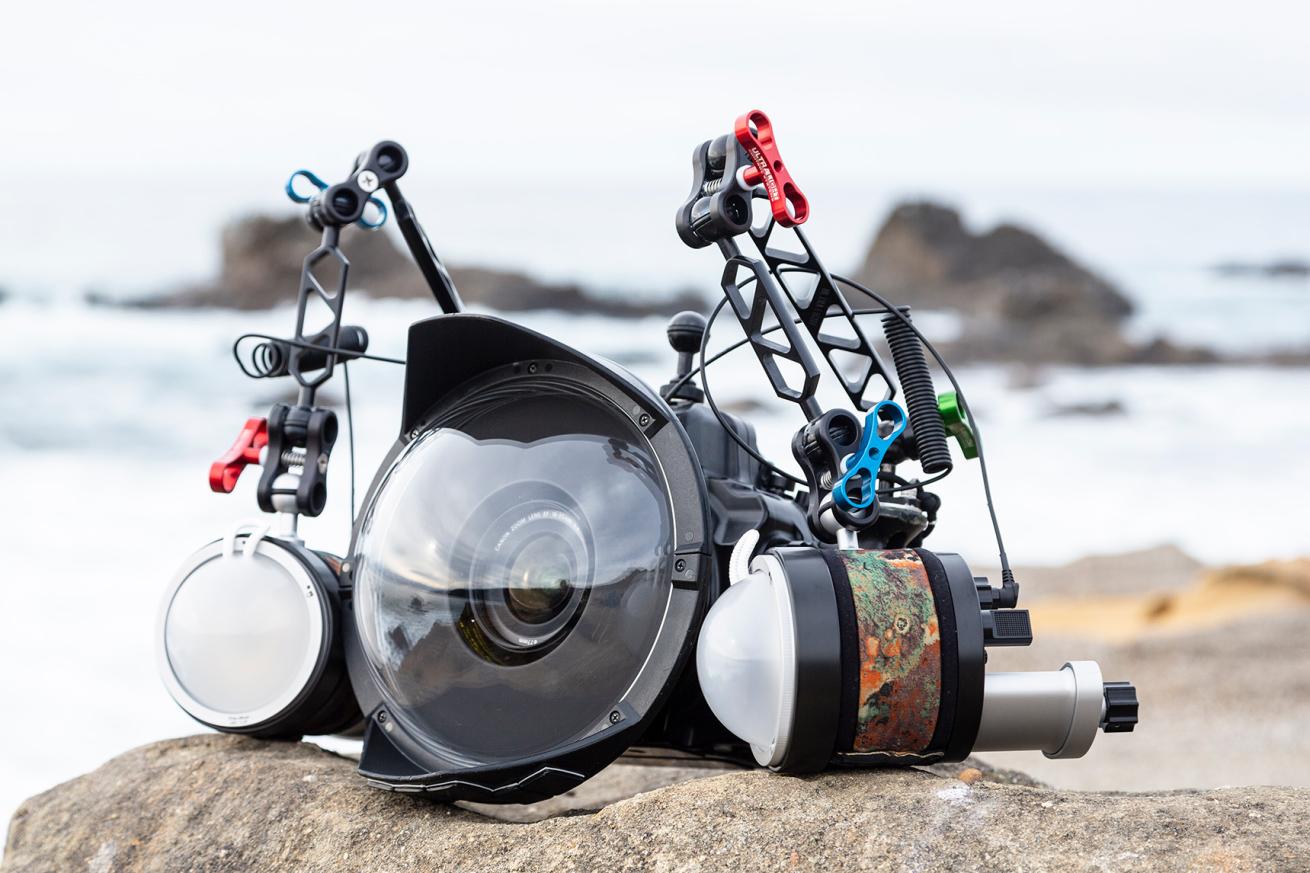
point(1120, 708)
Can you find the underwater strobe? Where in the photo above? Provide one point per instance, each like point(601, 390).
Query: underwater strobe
point(557, 564)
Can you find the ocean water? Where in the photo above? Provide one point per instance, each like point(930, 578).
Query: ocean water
point(110, 417)
point(617, 236)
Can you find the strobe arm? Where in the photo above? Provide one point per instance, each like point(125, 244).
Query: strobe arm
point(295, 441)
point(727, 174)
point(420, 248)
point(344, 203)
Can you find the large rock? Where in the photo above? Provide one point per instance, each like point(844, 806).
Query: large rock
point(223, 803)
point(262, 259)
point(1024, 299)
point(924, 256)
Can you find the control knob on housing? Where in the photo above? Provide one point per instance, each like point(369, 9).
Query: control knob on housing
point(686, 331)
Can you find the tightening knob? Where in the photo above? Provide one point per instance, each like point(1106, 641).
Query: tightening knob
point(1120, 707)
point(224, 472)
point(686, 331)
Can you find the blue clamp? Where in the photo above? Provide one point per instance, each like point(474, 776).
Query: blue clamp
point(382, 215)
point(862, 465)
point(297, 197)
point(320, 185)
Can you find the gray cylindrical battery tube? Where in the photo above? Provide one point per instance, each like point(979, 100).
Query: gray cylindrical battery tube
point(1057, 711)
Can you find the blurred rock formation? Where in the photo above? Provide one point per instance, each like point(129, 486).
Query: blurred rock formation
point(262, 258)
point(1023, 300)
point(1279, 268)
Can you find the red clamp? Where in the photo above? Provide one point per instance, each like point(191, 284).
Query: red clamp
point(224, 472)
point(789, 205)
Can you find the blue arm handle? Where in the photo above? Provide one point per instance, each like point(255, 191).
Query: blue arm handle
point(320, 185)
point(862, 465)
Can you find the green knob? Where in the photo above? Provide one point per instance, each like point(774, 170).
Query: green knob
point(948, 407)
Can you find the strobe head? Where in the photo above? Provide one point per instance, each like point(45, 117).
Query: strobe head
point(527, 569)
point(818, 656)
point(249, 640)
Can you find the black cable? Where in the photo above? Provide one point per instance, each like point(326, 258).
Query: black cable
point(1007, 575)
point(709, 399)
point(350, 433)
point(913, 484)
point(348, 354)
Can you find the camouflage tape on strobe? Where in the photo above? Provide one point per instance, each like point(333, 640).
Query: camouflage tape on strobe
point(900, 676)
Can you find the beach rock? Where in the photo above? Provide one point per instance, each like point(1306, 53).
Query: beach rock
point(1165, 351)
point(1087, 409)
point(262, 257)
point(1024, 299)
point(1281, 268)
point(924, 256)
point(226, 803)
point(1292, 575)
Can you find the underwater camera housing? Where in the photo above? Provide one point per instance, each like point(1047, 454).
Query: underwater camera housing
point(557, 565)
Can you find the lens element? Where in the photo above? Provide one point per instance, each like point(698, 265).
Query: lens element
point(530, 575)
point(538, 584)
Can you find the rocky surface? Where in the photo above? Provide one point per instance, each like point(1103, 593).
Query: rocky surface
point(1024, 300)
point(262, 259)
point(223, 803)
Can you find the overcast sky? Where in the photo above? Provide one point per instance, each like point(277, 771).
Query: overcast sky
point(1167, 93)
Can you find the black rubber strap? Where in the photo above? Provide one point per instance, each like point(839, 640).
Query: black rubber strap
point(947, 627)
point(850, 655)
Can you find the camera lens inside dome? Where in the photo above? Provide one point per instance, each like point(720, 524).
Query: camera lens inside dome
point(540, 580)
point(530, 574)
point(538, 584)
point(513, 572)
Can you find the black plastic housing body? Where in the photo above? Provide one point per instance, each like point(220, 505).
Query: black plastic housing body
point(717, 493)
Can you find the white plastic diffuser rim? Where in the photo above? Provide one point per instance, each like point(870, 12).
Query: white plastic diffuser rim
point(222, 550)
point(773, 756)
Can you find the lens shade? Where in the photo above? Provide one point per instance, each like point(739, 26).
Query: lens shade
point(246, 640)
